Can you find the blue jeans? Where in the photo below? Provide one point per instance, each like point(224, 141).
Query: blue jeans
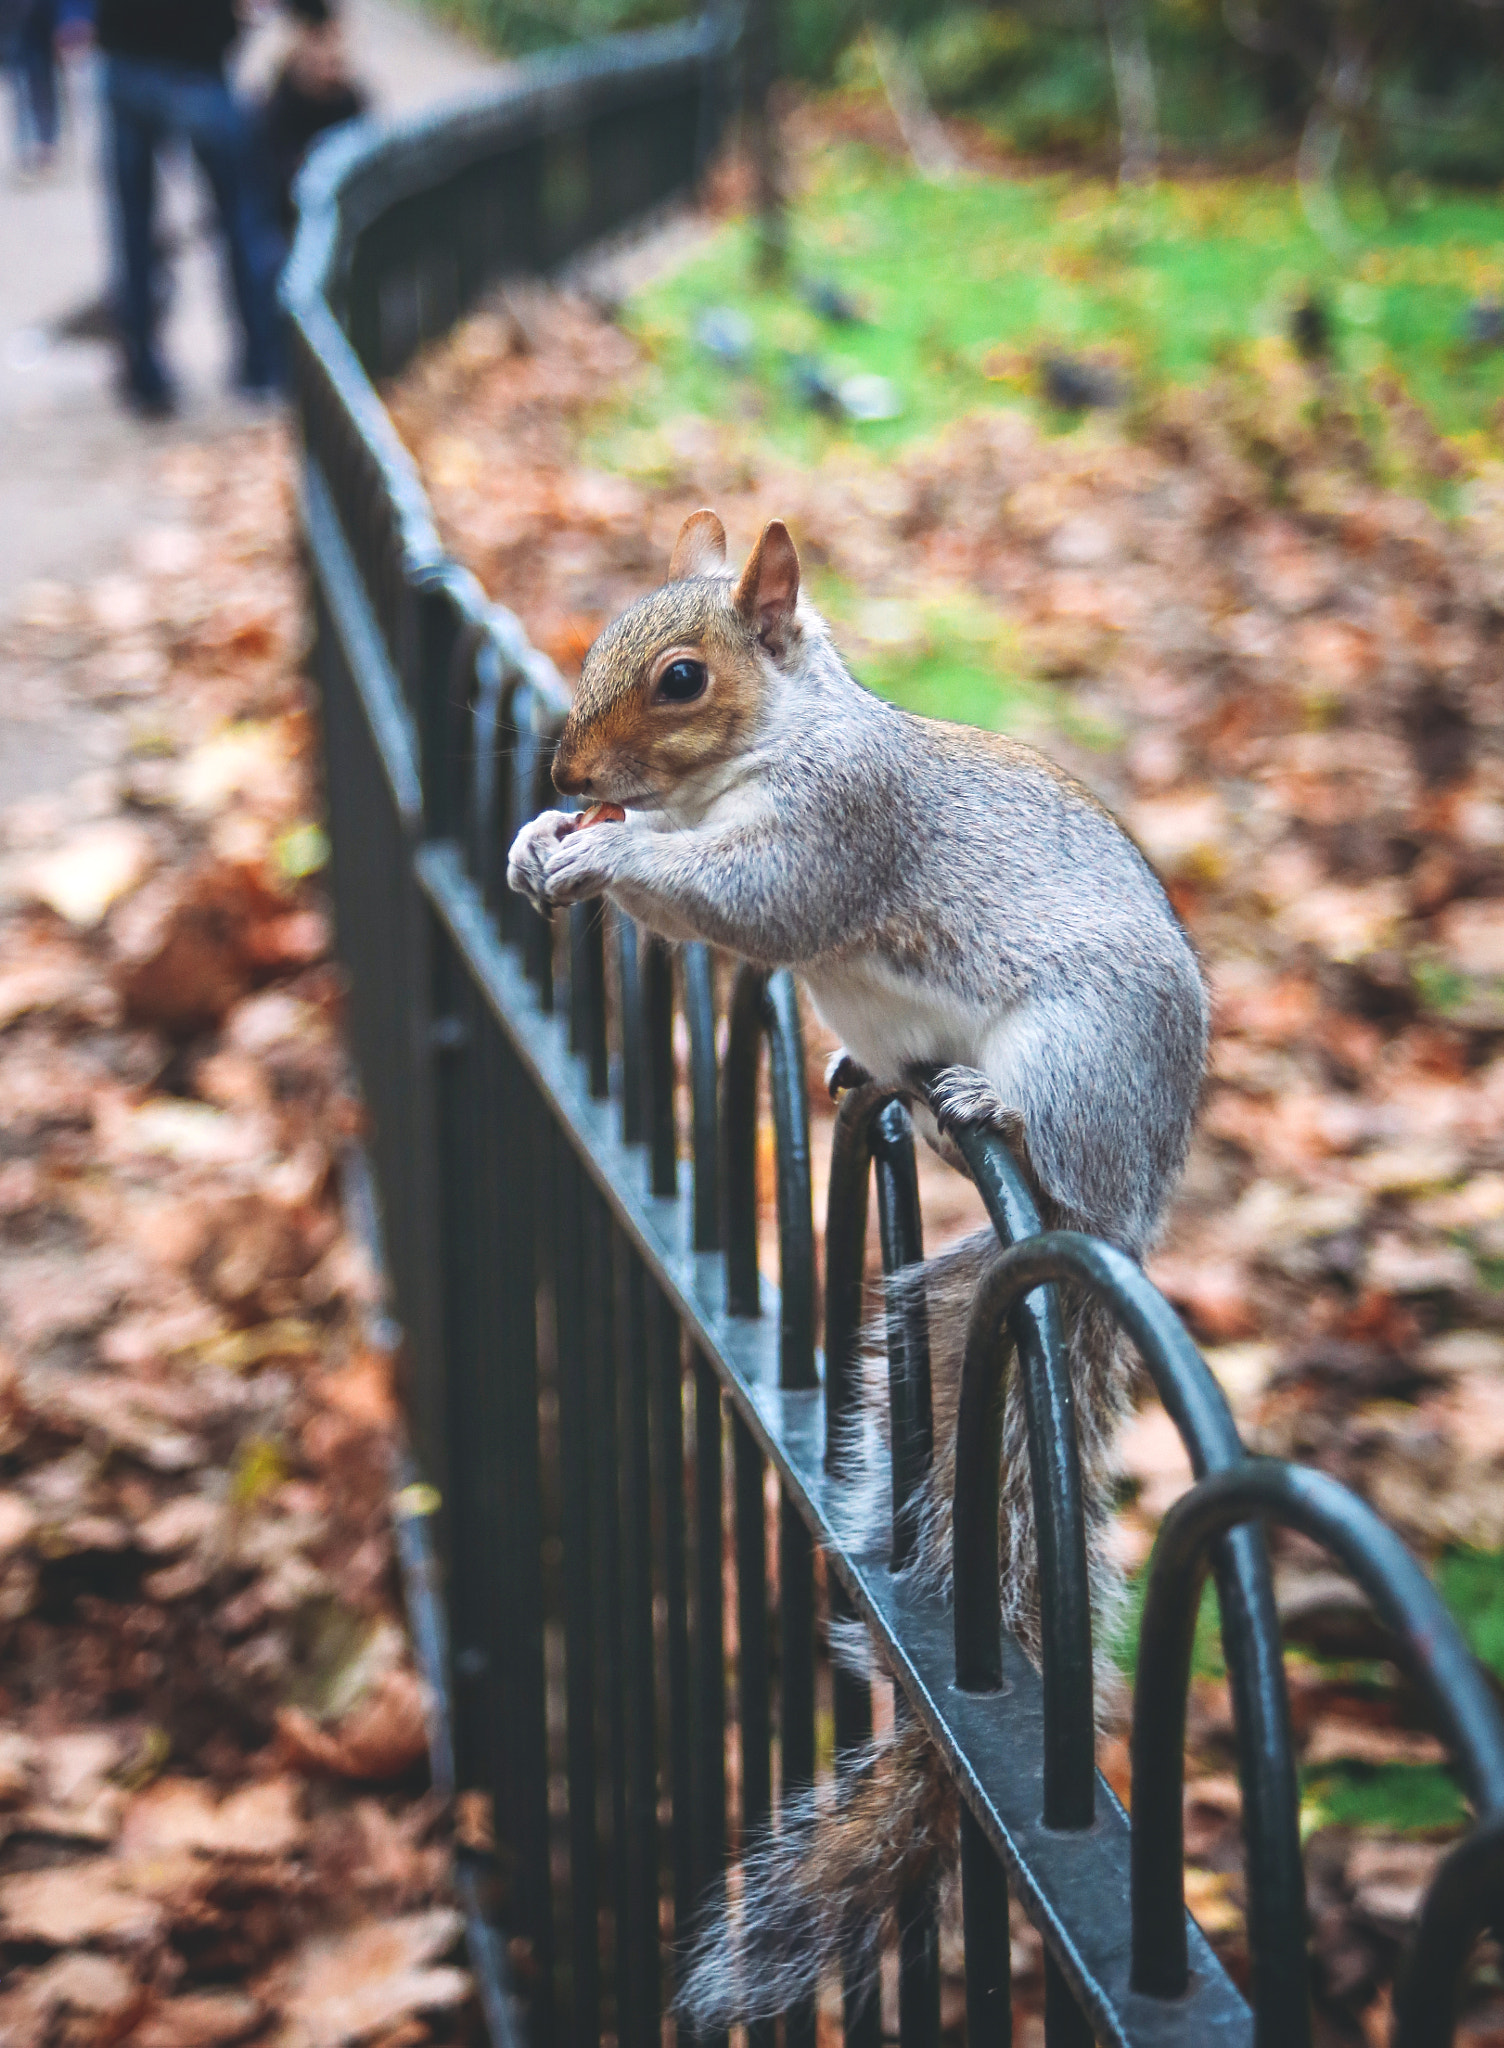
point(32, 62)
point(147, 103)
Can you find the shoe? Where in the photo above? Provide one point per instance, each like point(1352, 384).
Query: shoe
point(152, 402)
point(261, 398)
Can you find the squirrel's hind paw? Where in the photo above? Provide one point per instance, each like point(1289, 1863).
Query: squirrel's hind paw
point(842, 1072)
point(965, 1096)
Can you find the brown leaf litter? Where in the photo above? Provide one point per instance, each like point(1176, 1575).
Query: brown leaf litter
point(213, 1822)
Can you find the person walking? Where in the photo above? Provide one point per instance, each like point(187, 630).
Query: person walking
point(311, 93)
point(163, 73)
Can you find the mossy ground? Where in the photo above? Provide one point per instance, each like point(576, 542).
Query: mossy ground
point(966, 286)
point(966, 283)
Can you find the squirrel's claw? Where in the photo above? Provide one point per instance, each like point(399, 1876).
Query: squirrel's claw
point(843, 1072)
point(964, 1096)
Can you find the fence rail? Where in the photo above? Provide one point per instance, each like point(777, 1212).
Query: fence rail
point(634, 1436)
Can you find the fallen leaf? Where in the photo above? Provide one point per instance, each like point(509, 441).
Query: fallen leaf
point(93, 1988)
point(1337, 1739)
point(262, 1819)
point(341, 1988)
point(199, 2019)
point(40, 987)
point(66, 1905)
point(382, 1738)
point(1389, 1879)
point(98, 866)
point(18, 1518)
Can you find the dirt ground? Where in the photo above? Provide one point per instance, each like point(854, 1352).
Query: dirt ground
point(214, 1816)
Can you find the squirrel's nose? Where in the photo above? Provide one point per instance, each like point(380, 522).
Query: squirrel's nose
point(571, 785)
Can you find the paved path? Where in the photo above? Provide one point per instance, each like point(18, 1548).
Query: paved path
point(77, 475)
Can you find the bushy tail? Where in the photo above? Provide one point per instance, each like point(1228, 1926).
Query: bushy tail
point(821, 1893)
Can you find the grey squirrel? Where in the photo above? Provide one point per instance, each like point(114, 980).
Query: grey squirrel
point(952, 901)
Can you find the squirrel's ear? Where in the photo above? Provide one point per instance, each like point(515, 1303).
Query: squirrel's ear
point(700, 549)
point(769, 587)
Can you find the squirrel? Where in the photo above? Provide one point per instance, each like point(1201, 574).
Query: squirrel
point(962, 914)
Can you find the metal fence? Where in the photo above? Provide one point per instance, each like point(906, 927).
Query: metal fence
point(630, 1429)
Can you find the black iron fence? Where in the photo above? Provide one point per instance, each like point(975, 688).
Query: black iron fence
point(631, 1432)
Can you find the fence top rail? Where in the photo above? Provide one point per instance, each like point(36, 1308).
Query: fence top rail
point(366, 168)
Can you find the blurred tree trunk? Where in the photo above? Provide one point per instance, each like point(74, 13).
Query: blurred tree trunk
point(1133, 84)
point(760, 74)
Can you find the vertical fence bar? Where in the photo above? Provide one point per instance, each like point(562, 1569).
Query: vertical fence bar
point(845, 1261)
point(1060, 1526)
point(739, 1143)
point(451, 1054)
point(606, 1316)
point(861, 2007)
point(710, 1645)
point(637, 1941)
point(499, 1444)
point(518, 1181)
point(658, 1066)
point(911, 1443)
point(845, 1255)
point(796, 1718)
point(629, 1024)
point(1070, 1782)
point(699, 1012)
point(796, 1224)
point(752, 1654)
point(666, 1365)
point(989, 1960)
point(531, 789)
point(578, 1574)
point(587, 993)
point(910, 1404)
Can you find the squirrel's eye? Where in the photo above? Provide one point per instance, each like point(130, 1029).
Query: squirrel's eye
point(682, 681)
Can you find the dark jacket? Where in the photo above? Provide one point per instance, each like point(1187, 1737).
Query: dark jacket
point(292, 121)
point(192, 32)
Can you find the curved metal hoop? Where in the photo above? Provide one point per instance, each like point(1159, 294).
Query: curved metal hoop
point(698, 997)
point(873, 1129)
point(1461, 1903)
point(1327, 1512)
point(767, 1006)
point(1070, 1782)
point(1245, 1590)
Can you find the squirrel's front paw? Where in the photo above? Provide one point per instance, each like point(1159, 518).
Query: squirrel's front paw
point(532, 849)
point(581, 866)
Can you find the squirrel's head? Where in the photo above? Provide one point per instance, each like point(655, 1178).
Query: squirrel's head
point(674, 686)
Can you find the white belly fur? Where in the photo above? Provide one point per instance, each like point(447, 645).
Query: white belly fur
point(889, 1022)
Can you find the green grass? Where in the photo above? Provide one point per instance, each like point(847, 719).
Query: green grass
point(1391, 1798)
point(951, 655)
point(965, 281)
point(1206, 1650)
point(1399, 1799)
point(1472, 1584)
